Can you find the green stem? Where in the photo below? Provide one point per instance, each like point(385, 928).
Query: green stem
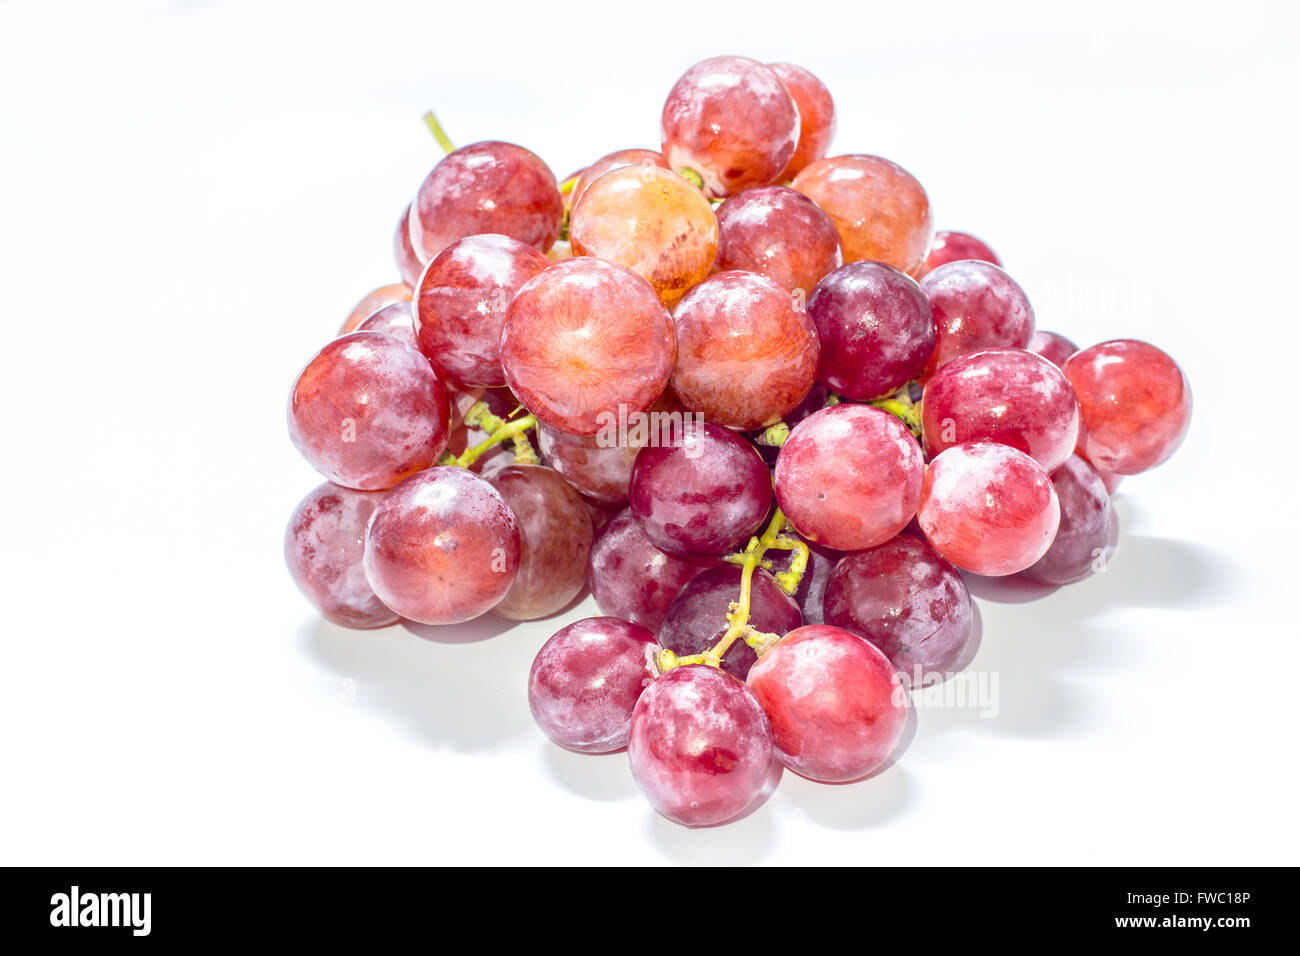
point(775, 435)
point(438, 132)
point(692, 177)
point(498, 429)
point(901, 406)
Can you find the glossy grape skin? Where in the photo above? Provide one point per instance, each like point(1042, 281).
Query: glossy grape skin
point(700, 746)
point(611, 161)
point(811, 593)
point(651, 221)
point(1010, 396)
point(732, 120)
point(697, 618)
point(704, 493)
point(836, 706)
point(988, 508)
point(586, 680)
point(880, 209)
point(849, 477)
point(816, 115)
point(600, 466)
point(461, 302)
point(632, 579)
point(367, 411)
point(952, 246)
point(488, 187)
point(976, 306)
point(442, 547)
point(409, 265)
point(747, 352)
point(907, 601)
point(1052, 346)
point(323, 546)
point(394, 320)
point(1083, 542)
point(876, 330)
point(584, 340)
point(555, 538)
point(1136, 405)
point(779, 233)
point(372, 302)
point(1111, 481)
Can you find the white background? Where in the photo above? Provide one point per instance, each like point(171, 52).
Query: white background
point(192, 196)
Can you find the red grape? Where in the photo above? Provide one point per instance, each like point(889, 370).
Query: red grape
point(704, 492)
point(697, 619)
point(907, 601)
point(630, 578)
point(611, 161)
point(731, 120)
point(486, 187)
point(1009, 396)
point(651, 221)
point(555, 534)
point(372, 302)
point(409, 265)
point(700, 746)
point(586, 680)
point(779, 233)
point(747, 352)
point(1083, 540)
point(836, 707)
point(875, 327)
point(1136, 405)
point(1051, 346)
point(394, 320)
point(585, 340)
point(849, 477)
point(367, 411)
point(442, 547)
point(950, 246)
point(461, 302)
point(988, 508)
point(816, 115)
point(976, 306)
point(323, 546)
point(880, 209)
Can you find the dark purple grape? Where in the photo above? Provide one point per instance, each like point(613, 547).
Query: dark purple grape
point(698, 617)
point(1083, 541)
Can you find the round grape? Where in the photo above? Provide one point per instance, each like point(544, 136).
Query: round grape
point(394, 320)
point(816, 115)
point(1083, 541)
point(779, 233)
point(976, 306)
point(1051, 346)
point(408, 263)
point(951, 246)
point(611, 161)
point(372, 302)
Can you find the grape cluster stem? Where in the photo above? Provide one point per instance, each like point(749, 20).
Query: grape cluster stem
point(499, 430)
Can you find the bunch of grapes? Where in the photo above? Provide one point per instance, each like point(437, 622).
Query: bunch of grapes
point(737, 388)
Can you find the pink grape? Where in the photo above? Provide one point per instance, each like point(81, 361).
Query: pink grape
point(1051, 346)
point(836, 707)
point(907, 601)
point(408, 262)
point(555, 537)
point(632, 579)
point(697, 619)
point(486, 188)
point(849, 477)
point(988, 508)
point(586, 680)
point(394, 320)
point(1010, 396)
point(323, 546)
point(1136, 405)
point(704, 493)
point(876, 330)
point(611, 161)
point(442, 547)
point(585, 340)
point(747, 352)
point(461, 302)
point(367, 411)
point(976, 306)
point(372, 302)
point(700, 746)
point(952, 246)
point(816, 115)
point(779, 233)
point(731, 120)
point(1083, 541)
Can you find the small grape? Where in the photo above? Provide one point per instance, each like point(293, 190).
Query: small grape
point(950, 246)
point(372, 302)
point(1083, 542)
point(779, 233)
point(1051, 346)
point(976, 306)
point(816, 115)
